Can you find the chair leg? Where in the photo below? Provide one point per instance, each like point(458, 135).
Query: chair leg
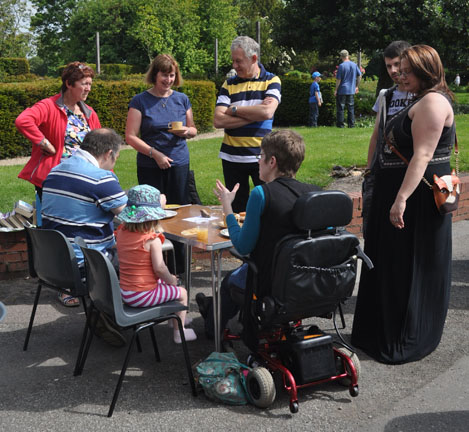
point(85, 306)
point(122, 374)
point(33, 314)
point(155, 345)
point(90, 327)
point(186, 355)
point(139, 345)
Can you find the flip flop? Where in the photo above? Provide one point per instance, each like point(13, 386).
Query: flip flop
point(69, 301)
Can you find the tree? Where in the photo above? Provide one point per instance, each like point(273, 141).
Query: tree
point(171, 27)
point(267, 12)
point(113, 19)
point(135, 32)
point(370, 25)
point(217, 21)
point(13, 41)
point(50, 25)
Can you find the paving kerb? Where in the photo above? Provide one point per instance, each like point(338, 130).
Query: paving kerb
point(39, 392)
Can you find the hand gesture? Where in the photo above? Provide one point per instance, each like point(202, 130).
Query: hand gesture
point(225, 196)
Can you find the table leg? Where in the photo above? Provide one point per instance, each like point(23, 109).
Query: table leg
point(215, 257)
point(187, 268)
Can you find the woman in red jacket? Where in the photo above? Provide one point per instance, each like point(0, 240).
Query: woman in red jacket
point(57, 125)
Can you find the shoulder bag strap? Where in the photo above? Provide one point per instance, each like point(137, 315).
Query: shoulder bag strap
point(398, 153)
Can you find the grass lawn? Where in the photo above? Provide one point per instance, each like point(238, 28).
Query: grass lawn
point(325, 147)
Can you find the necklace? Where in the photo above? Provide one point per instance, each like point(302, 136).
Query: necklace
point(164, 99)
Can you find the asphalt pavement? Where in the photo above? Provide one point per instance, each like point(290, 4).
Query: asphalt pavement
point(38, 391)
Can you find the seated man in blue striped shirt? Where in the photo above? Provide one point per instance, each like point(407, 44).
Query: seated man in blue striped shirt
point(81, 196)
point(245, 108)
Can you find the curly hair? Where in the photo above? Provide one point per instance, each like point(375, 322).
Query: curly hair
point(74, 72)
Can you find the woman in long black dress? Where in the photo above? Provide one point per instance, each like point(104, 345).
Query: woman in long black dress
point(402, 302)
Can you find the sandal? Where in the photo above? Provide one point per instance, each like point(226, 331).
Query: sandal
point(68, 300)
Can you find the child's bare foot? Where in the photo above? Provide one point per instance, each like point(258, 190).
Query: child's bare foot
point(189, 335)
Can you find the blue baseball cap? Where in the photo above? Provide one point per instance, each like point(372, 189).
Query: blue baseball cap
point(315, 74)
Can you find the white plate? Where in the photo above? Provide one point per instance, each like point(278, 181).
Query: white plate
point(170, 214)
point(172, 206)
point(225, 233)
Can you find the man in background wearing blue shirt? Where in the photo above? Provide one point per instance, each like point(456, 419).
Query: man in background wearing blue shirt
point(346, 86)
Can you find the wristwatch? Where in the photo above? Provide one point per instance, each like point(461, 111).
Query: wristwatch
point(234, 109)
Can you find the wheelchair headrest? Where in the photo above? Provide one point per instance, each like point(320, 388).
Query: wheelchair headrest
point(322, 209)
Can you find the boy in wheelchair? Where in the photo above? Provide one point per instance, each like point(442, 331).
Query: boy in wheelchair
point(268, 219)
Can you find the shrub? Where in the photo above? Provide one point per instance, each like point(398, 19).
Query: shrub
point(294, 108)
point(109, 99)
point(109, 71)
point(364, 104)
point(20, 78)
point(14, 66)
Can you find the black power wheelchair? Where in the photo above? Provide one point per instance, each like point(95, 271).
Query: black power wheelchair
point(313, 273)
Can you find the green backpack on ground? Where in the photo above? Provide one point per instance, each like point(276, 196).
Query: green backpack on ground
point(223, 378)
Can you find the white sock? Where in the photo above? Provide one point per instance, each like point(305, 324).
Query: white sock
point(187, 321)
point(189, 335)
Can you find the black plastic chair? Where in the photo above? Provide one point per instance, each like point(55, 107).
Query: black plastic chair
point(104, 292)
point(52, 260)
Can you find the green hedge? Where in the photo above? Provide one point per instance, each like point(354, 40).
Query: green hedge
point(108, 70)
point(294, 108)
point(14, 66)
point(109, 99)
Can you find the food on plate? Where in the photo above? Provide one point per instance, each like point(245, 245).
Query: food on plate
point(242, 216)
point(190, 232)
point(172, 206)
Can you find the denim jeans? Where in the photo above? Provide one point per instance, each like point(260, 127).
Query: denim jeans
point(313, 114)
point(341, 101)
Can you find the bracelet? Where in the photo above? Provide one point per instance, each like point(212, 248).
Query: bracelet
point(151, 151)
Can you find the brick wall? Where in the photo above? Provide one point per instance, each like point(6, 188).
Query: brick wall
point(462, 213)
point(13, 254)
point(14, 250)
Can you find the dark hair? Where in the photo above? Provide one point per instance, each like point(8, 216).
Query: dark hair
point(427, 67)
point(163, 63)
point(288, 147)
point(395, 49)
point(74, 72)
point(100, 141)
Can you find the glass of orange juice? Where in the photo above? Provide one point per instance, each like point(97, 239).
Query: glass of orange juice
point(202, 232)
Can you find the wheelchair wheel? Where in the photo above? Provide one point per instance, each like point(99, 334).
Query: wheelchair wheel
point(260, 386)
point(356, 363)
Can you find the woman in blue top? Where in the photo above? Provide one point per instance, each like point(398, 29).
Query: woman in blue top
point(269, 214)
point(163, 156)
